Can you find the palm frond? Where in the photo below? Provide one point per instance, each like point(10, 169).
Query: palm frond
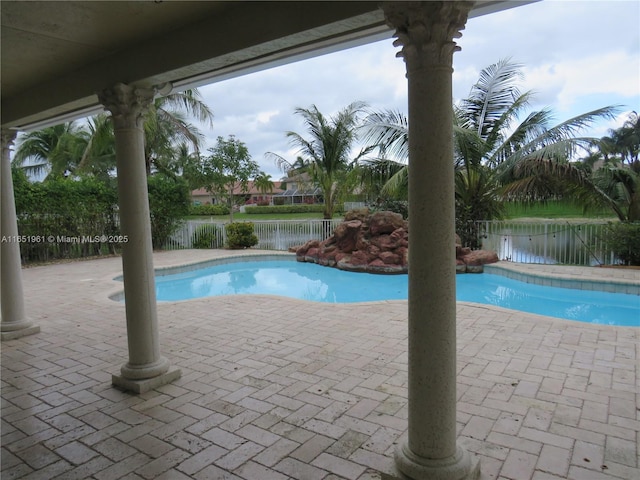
point(398, 185)
point(282, 163)
point(189, 101)
point(36, 169)
point(389, 131)
point(532, 141)
point(566, 132)
point(174, 126)
point(492, 95)
point(497, 139)
point(100, 146)
point(469, 148)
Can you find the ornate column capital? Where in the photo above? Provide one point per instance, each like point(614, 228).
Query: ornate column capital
point(425, 30)
point(7, 137)
point(127, 104)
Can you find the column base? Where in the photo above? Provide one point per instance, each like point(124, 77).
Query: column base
point(146, 384)
point(147, 370)
point(463, 466)
point(13, 330)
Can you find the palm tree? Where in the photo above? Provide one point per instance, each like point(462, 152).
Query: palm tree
point(383, 180)
point(99, 156)
point(263, 183)
point(55, 150)
point(327, 151)
point(623, 143)
point(90, 149)
point(616, 182)
point(492, 147)
point(615, 187)
point(166, 126)
point(385, 177)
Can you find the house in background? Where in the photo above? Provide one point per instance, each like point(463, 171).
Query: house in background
point(298, 189)
point(251, 196)
point(202, 197)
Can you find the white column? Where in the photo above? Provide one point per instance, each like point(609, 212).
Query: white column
point(14, 323)
point(146, 368)
point(425, 31)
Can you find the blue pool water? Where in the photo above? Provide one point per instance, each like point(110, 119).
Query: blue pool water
point(321, 284)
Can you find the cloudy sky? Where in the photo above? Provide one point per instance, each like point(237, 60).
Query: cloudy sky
point(577, 56)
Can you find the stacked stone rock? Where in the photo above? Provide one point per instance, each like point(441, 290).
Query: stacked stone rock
point(378, 243)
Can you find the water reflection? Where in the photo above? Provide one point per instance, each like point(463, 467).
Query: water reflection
point(548, 243)
point(312, 282)
point(583, 305)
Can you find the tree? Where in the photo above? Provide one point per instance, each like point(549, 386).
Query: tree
point(327, 151)
point(55, 150)
point(263, 183)
point(89, 149)
point(298, 167)
point(623, 143)
point(166, 128)
point(169, 201)
point(384, 177)
point(227, 170)
point(616, 183)
point(383, 180)
point(99, 156)
point(610, 186)
point(494, 148)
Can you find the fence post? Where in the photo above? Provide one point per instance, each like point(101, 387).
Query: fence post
point(326, 228)
point(546, 239)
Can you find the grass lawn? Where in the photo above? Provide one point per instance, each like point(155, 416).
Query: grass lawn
point(249, 217)
point(551, 209)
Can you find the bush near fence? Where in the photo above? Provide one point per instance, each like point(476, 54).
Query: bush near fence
point(208, 235)
point(624, 239)
point(240, 235)
point(203, 210)
point(66, 218)
point(295, 208)
point(168, 204)
point(60, 215)
point(272, 234)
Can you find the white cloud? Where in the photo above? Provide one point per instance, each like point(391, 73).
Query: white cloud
point(265, 117)
point(562, 84)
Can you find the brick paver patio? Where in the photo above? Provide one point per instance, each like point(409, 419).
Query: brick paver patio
point(274, 388)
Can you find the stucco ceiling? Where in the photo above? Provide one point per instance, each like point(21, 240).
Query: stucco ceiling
point(55, 55)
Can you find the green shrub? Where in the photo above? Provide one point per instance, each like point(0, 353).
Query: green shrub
point(624, 240)
point(168, 204)
point(65, 209)
point(240, 235)
point(207, 236)
point(85, 208)
point(397, 206)
point(295, 208)
point(202, 210)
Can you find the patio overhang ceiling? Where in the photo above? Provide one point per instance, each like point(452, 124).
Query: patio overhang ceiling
point(56, 55)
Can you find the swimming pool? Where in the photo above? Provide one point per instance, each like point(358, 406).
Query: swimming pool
point(321, 284)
